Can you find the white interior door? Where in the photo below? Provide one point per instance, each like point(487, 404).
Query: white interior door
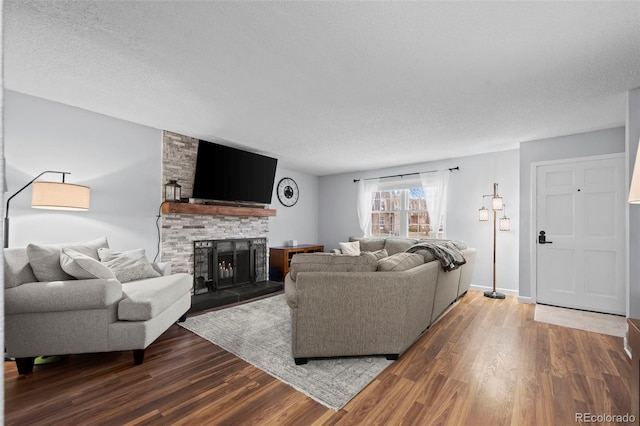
point(580, 207)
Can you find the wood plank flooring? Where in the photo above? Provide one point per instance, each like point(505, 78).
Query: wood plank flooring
point(487, 362)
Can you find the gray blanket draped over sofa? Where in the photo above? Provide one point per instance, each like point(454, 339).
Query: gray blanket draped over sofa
point(445, 251)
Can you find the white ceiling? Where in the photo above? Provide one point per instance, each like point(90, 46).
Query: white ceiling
point(330, 87)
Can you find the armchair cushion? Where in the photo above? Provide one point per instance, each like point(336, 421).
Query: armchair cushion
point(45, 259)
point(83, 267)
point(128, 265)
point(57, 296)
point(16, 268)
point(145, 299)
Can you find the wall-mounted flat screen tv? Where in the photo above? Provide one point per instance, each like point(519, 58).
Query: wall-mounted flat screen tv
point(229, 174)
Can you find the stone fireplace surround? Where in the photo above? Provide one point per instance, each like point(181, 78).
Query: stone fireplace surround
point(178, 231)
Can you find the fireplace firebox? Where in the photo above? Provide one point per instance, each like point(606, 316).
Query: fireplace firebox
point(225, 264)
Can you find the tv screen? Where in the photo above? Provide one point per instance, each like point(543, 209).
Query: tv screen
point(229, 174)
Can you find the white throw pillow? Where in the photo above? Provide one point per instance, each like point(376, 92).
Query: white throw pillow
point(128, 265)
point(352, 248)
point(45, 259)
point(83, 267)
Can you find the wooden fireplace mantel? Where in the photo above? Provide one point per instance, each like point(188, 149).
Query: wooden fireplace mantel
point(214, 210)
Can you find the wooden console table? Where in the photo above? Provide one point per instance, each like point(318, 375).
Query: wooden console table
point(280, 257)
point(634, 342)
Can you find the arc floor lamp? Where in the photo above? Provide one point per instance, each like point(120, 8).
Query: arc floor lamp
point(497, 204)
point(53, 196)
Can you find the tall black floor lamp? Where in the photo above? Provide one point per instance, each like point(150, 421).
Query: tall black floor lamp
point(51, 195)
point(497, 204)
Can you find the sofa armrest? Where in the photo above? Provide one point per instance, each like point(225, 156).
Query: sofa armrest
point(56, 296)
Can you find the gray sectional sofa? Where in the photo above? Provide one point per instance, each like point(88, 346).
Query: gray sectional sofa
point(50, 312)
point(345, 305)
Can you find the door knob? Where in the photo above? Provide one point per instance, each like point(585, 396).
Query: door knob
point(542, 238)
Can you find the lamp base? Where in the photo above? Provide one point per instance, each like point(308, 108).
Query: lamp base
point(493, 295)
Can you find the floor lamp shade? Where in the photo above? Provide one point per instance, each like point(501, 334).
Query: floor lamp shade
point(634, 190)
point(60, 196)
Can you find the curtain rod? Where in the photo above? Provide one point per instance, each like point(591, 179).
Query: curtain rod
point(410, 174)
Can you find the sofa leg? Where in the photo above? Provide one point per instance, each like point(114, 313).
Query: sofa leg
point(183, 318)
point(301, 361)
point(392, 357)
point(138, 356)
point(25, 365)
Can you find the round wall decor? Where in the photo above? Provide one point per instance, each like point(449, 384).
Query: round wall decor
point(288, 192)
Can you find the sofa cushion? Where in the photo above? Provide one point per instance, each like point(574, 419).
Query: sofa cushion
point(128, 265)
point(331, 262)
point(400, 262)
point(369, 244)
point(45, 259)
point(83, 267)
point(146, 299)
point(398, 245)
point(352, 248)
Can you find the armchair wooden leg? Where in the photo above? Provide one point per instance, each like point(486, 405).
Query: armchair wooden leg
point(183, 318)
point(138, 356)
point(300, 361)
point(25, 365)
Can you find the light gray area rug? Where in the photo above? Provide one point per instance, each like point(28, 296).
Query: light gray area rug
point(260, 333)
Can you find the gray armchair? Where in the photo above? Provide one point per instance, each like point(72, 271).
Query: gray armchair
point(70, 316)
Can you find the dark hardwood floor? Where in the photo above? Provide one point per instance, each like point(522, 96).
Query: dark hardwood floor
point(487, 362)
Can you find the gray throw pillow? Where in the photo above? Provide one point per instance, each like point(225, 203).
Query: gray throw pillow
point(131, 265)
point(400, 262)
point(83, 267)
point(45, 259)
point(380, 254)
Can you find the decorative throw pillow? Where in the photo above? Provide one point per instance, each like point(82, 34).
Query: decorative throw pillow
point(45, 259)
point(83, 267)
point(380, 254)
point(352, 248)
point(400, 262)
point(128, 265)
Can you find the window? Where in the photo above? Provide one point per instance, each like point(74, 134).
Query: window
point(400, 213)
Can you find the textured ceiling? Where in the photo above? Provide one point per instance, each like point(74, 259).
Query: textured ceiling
point(330, 87)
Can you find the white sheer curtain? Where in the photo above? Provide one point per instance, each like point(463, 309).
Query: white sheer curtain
point(366, 188)
point(435, 191)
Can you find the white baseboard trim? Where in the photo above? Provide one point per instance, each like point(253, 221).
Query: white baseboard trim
point(525, 299)
point(500, 290)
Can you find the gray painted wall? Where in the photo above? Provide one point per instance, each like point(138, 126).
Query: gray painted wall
point(299, 222)
point(632, 137)
point(121, 162)
point(338, 216)
point(580, 145)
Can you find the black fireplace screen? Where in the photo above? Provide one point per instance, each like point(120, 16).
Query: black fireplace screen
point(223, 264)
